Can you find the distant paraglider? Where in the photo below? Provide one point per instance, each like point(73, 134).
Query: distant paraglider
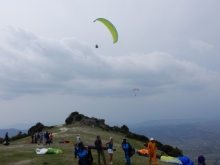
point(96, 46)
point(135, 89)
point(110, 27)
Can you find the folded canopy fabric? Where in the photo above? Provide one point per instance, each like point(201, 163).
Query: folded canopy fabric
point(170, 159)
point(143, 151)
point(185, 160)
point(48, 151)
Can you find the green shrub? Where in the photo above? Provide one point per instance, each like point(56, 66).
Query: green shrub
point(37, 128)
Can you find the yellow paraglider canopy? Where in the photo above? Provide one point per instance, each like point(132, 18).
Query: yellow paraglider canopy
point(110, 27)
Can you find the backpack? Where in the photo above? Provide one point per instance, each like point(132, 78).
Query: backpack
point(131, 150)
point(89, 157)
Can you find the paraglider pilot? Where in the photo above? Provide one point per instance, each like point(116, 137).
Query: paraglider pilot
point(152, 151)
point(96, 46)
point(81, 151)
point(125, 147)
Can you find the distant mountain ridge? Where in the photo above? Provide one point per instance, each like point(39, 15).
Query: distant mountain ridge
point(170, 121)
point(11, 132)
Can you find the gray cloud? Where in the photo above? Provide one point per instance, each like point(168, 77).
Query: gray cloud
point(167, 49)
point(200, 46)
point(32, 64)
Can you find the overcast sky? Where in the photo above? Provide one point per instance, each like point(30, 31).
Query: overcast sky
point(49, 66)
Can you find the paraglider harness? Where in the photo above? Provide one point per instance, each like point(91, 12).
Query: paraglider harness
point(131, 150)
point(88, 159)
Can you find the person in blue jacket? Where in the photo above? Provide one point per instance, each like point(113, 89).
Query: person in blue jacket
point(81, 152)
point(201, 160)
point(125, 146)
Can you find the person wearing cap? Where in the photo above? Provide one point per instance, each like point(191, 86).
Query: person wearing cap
point(152, 151)
point(201, 160)
point(98, 145)
point(81, 152)
point(78, 138)
point(125, 146)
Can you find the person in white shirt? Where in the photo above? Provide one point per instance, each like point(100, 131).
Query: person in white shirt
point(78, 138)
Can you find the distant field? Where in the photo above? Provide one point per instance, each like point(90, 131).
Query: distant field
point(22, 153)
point(192, 138)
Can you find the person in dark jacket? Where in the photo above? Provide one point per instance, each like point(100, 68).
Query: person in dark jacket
point(81, 152)
point(201, 160)
point(47, 135)
point(32, 137)
point(125, 146)
point(98, 145)
point(75, 149)
point(6, 139)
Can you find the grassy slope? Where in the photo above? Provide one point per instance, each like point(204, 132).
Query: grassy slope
point(20, 152)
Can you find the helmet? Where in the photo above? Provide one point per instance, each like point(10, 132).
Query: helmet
point(151, 139)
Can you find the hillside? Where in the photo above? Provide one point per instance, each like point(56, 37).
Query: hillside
point(194, 137)
point(20, 152)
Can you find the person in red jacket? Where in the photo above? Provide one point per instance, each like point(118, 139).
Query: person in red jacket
point(51, 137)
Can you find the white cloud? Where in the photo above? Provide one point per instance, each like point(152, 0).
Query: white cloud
point(30, 64)
point(200, 46)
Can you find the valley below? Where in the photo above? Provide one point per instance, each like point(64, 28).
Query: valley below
point(193, 138)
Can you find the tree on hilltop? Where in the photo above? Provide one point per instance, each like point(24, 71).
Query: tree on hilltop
point(37, 128)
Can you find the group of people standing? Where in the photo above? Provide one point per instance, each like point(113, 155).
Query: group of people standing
point(82, 151)
point(42, 137)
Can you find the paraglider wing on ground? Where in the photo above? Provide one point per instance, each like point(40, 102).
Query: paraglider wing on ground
point(185, 160)
point(144, 152)
point(170, 159)
point(48, 151)
point(65, 142)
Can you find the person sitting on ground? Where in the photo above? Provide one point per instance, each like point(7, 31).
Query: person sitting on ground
point(81, 152)
point(201, 160)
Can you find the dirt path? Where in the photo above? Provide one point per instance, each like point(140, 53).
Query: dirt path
point(62, 130)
